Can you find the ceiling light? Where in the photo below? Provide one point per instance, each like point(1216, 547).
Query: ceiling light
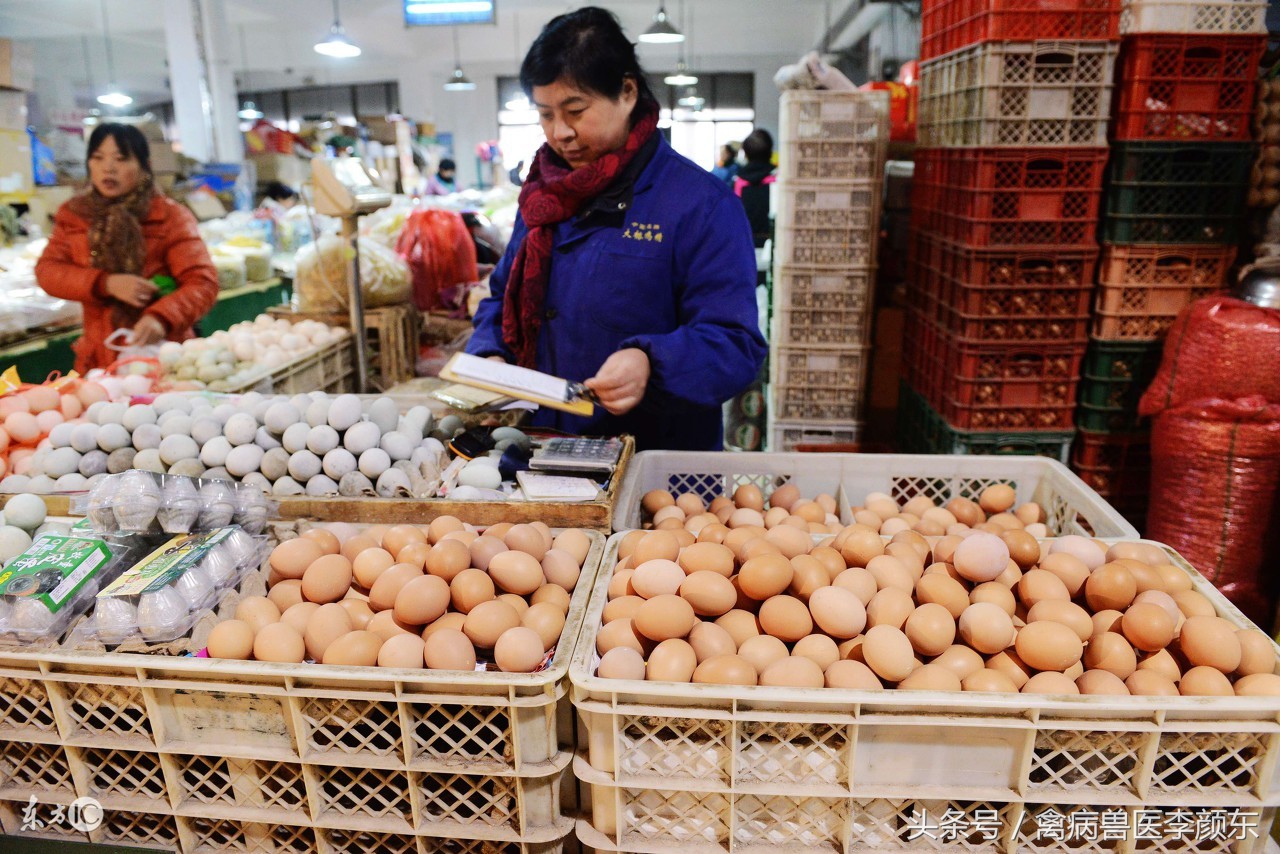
point(113, 97)
point(249, 110)
point(661, 31)
point(520, 103)
point(337, 45)
point(458, 82)
point(682, 77)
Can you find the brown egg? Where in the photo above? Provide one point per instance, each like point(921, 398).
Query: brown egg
point(1210, 641)
point(357, 544)
point(368, 565)
point(1110, 586)
point(1148, 627)
point(749, 495)
point(860, 545)
point(231, 639)
point(527, 539)
point(1109, 620)
point(382, 596)
point(997, 498)
point(986, 627)
point(559, 567)
point(995, 593)
point(448, 649)
point(627, 545)
point(765, 576)
point(837, 611)
point(713, 534)
point(469, 588)
point(1009, 663)
point(385, 625)
point(621, 663)
point(620, 584)
point(706, 557)
point(1258, 685)
point(740, 625)
point(1257, 653)
point(325, 539)
point(286, 593)
point(1205, 681)
point(784, 496)
point(291, 558)
point(547, 620)
point(451, 620)
point(553, 593)
point(358, 649)
point(665, 616)
point(1162, 662)
point(960, 660)
point(620, 633)
point(931, 629)
point(1050, 683)
point(518, 602)
point(415, 554)
point(327, 579)
point(487, 621)
point(448, 558)
point(888, 652)
point(1067, 613)
point(1194, 604)
point(890, 607)
point(327, 624)
point(464, 537)
point(278, 642)
point(1149, 683)
point(298, 615)
point(258, 612)
point(655, 499)
point(1070, 570)
point(656, 545)
point(1175, 579)
point(1101, 682)
point(518, 650)
point(672, 660)
point(930, 677)
point(941, 589)
point(622, 607)
point(710, 593)
point(851, 674)
point(399, 536)
point(708, 640)
point(829, 558)
point(793, 672)
point(442, 525)
point(666, 513)
point(376, 532)
point(1039, 585)
point(1146, 577)
point(889, 571)
point(989, 682)
point(1110, 651)
point(421, 600)
point(402, 651)
point(786, 618)
point(859, 582)
point(359, 612)
point(517, 571)
point(656, 577)
point(981, 557)
point(1162, 599)
point(725, 670)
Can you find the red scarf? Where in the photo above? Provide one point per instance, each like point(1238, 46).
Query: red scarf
point(552, 193)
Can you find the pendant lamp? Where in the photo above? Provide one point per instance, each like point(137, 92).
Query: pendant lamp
point(113, 97)
point(458, 82)
point(336, 44)
point(661, 31)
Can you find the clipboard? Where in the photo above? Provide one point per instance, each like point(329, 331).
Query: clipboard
point(515, 381)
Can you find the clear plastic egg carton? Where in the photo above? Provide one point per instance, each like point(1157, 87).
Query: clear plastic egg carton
point(165, 594)
point(44, 589)
point(142, 502)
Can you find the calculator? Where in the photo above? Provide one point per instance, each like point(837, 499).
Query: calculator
point(577, 454)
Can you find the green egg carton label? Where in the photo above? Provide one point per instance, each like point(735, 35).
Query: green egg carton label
point(166, 564)
point(54, 569)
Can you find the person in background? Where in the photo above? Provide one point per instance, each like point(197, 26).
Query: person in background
point(278, 197)
point(727, 169)
point(630, 268)
point(443, 182)
point(110, 241)
point(752, 183)
point(517, 174)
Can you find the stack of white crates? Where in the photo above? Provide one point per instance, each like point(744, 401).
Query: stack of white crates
point(831, 168)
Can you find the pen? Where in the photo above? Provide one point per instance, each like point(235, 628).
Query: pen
point(575, 391)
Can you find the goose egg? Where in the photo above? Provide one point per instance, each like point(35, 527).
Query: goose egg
point(161, 614)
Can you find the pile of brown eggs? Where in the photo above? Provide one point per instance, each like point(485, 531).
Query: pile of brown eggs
point(441, 597)
point(985, 608)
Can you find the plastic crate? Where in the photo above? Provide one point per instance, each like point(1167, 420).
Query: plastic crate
point(854, 159)
point(1010, 196)
point(330, 369)
point(822, 327)
point(808, 115)
point(1070, 507)
point(812, 384)
point(1179, 86)
point(797, 436)
point(685, 767)
point(392, 334)
point(947, 25)
point(1109, 405)
point(1117, 465)
point(922, 430)
point(1123, 360)
point(827, 288)
point(1142, 289)
point(1050, 93)
point(808, 205)
point(1166, 192)
point(1193, 16)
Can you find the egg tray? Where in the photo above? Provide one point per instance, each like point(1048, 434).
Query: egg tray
point(144, 502)
point(664, 762)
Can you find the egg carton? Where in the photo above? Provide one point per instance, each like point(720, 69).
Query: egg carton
point(143, 502)
point(166, 593)
point(44, 589)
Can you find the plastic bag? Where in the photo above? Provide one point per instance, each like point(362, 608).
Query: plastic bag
point(324, 266)
point(1215, 473)
point(1219, 347)
point(440, 253)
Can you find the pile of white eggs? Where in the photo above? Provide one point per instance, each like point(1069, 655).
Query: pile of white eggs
point(313, 444)
point(230, 358)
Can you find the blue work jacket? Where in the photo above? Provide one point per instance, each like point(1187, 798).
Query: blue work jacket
point(668, 268)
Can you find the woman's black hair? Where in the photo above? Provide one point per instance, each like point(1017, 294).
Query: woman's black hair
point(758, 146)
point(279, 191)
point(128, 139)
point(447, 165)
point(585, 47)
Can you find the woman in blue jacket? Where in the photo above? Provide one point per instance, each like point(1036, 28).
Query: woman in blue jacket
point(630, 268)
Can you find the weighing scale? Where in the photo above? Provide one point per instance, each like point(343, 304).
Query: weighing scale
point(344, 188)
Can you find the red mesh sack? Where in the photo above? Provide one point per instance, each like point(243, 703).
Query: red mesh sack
point(1215, 470)
point(1218, 348)
point(441, 255)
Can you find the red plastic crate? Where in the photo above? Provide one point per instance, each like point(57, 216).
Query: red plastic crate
point(978, 385)
point(1011, 196)
point(1180, 86)
point(1117, 465)
point(947, 25)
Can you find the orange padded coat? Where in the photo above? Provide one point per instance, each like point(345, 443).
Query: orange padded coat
point(173, 248)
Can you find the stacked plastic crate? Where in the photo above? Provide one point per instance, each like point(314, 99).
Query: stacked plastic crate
point(1180, 162)
point(1014, 104)
point(831, 166)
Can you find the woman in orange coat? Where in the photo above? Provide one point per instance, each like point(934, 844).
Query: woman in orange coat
point(109, 242)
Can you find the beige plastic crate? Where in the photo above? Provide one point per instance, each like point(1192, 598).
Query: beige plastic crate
point(672, 767)
point(1220, 17)
point(787, 436)
point(330, 369)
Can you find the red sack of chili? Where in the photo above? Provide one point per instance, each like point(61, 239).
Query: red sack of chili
point(1219, 347)
point(441, 255)
point(1215, 472)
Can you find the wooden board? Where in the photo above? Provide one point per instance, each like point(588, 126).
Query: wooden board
point(592, 515)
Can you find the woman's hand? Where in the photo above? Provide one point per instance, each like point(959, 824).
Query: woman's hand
point(131, 290)
point(148, 330)
point(621, 380)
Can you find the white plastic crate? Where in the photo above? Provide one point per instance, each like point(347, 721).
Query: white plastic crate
point(1220, 17)
point(846, 205)
point(687, 767)
point(827, 246)
point(817, 384)
point(821, 327)
point(330, 369)
point(403, 753)
point(817, 115)
point(828, 288)
point(1070, 506)
point(1018, 94)
point(787, 436)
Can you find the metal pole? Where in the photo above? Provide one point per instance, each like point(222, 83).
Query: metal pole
point(355, 305)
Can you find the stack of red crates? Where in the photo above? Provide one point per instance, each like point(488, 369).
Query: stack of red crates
point(1182, 148)
point(1014, 102)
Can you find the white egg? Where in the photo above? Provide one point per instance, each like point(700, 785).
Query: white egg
point(25, 511)
point(161, 614)
point(322, 439)
point(178, 447)
point(112, 437)
point(303, 466)
point(361, 437)
point(196, 588)
point(169, 353)
point(147, 437)
point(114, 619)
point(135, 416)
point(322, 485)
point(244, 459)
point(295, 437)
point(480, 476)
point(61, 461)
point(344, 411)
point(374, 462)
point(84, 437)
point(240, 429)
point(136, 385)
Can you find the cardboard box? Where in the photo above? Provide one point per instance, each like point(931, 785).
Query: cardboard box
point(17, 65)
point(285, 168)
point(380, 129)
point(16, 172)
point(164, 160)
point(45, 202)
point(13, 110)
